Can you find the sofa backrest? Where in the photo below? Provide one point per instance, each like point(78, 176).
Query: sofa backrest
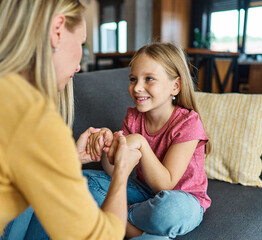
point(101, 99)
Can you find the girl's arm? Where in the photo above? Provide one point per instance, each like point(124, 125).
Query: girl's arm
point(163, 176)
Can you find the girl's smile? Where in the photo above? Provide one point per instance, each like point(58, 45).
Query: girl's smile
point(141, 99)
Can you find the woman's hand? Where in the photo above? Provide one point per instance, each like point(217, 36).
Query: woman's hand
point(111, 151)
point(97, 142)
point(134, 141)
point(125, 158)
point(83, 144)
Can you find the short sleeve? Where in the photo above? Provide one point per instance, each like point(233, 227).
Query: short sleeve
point(191, 128)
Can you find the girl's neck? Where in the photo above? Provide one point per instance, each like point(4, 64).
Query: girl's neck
point(154, 121)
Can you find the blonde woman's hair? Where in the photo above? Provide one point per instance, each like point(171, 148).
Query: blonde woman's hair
point(25, 46)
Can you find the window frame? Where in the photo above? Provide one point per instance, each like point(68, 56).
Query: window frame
point(242, 4)
point(117, 6)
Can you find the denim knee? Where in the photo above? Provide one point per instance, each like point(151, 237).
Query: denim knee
point(98, 184)
point(169, 213)
point(137, 191)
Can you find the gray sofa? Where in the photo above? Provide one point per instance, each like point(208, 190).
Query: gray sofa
point(101, 100)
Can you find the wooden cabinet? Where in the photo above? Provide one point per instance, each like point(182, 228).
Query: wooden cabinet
point(171, 21)
point(255, 78)
point(250, 77)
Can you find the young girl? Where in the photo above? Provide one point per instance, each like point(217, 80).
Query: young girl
point(169, 194)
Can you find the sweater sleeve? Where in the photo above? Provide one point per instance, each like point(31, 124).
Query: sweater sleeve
point(44, 166)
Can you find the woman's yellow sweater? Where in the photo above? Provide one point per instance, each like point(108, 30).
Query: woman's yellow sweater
point(39, 166)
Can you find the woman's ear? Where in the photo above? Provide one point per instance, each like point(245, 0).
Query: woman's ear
point(57, 28)
point(176, 86)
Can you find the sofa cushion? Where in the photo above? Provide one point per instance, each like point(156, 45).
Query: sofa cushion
point(233, 123)
point(235, 213)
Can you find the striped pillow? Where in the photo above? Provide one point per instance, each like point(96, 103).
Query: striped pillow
point(233, 123)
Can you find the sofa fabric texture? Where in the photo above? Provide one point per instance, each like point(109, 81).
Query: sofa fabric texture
point(101, 100)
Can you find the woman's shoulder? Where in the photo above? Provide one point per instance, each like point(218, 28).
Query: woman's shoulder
point(21, 105)
point(14, 89)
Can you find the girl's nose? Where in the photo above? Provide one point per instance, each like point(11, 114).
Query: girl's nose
point(78, 68)
point(139, 86)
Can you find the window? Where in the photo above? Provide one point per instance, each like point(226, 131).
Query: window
point(234, 26)
point(254, 31)
point(224, 31)
point(122, 36)
point(108, 37)
point(113, 27)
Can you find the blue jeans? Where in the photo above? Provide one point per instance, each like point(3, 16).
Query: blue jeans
point(161, 216)
point(166, 214)
point(25, 227)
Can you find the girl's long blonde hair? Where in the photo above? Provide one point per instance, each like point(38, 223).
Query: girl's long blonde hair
point(25, 46)
point(173, 59)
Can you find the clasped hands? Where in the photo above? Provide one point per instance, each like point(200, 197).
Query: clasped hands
point(93, 142)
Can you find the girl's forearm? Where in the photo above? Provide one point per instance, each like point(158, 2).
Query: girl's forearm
point(166, 174)
point(154, 170)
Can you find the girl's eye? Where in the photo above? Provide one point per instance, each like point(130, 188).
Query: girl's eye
point(148, 79)
point(132, 79)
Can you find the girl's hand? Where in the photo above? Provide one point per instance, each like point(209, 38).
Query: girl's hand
point(81, 145)
point(97, 142)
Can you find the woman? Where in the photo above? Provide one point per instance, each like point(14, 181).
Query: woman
point(39, 164)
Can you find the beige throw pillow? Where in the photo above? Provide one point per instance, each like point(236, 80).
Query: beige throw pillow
point(233, 123)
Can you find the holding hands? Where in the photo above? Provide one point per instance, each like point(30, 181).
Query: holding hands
point(91, 143)
point(94, 141)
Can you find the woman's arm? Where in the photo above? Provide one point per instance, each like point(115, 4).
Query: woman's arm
point(108, 168)
point(109, 153)
point(49, 178)
point(163, 176)
point(124, 161)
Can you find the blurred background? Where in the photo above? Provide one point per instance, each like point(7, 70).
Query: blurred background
point(222, 38)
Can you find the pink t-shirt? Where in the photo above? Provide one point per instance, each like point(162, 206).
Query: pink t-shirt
point(182, 126)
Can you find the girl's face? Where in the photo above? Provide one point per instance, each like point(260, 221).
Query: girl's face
point(150, 88)
point(69, 54)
